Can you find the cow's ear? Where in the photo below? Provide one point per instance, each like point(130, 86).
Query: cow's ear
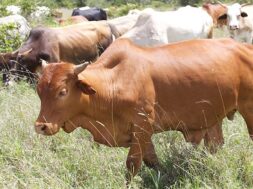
point(42, 65)
point(223, 17)
point(14, 54)
point(85, 88)
point(244, 14)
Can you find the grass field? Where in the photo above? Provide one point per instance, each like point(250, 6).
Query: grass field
point(28, 160)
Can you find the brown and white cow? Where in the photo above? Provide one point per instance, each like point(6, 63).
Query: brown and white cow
point(132, 92)
point(239, 21)
point(73, 43)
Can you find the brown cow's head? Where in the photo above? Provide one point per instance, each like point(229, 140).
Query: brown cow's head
point(61, 93)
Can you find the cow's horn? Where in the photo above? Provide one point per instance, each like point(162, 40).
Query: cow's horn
point(221, 4)
point(245, 4)
point(43, 63)
point(15, 52)
point(25, 53)
point(79, 68)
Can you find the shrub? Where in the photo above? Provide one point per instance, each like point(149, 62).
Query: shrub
point(9, 37)
point(3, 11)
point(122, 10)
point(27, 7)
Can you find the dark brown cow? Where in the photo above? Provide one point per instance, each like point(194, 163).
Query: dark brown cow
point(73, 43)
point(72, 20)
point(132, 92)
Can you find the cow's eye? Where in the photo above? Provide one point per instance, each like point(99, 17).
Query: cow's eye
point(63, 92)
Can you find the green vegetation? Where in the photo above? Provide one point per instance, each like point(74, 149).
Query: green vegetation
point(9, 38)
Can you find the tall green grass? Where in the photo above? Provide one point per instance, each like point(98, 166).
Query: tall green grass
point(28, 160)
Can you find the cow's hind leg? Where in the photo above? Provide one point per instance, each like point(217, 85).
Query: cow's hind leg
point(247, 115)
point(214, 137)
point(194, 136)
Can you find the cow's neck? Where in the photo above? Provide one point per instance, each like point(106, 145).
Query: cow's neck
point(104, 101)
point(104, 76)
point(102, 133)
point(100, 112)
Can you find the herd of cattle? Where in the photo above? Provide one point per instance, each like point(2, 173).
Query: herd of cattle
point(137, 85)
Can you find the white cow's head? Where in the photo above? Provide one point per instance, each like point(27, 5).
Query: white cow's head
point(233, 16)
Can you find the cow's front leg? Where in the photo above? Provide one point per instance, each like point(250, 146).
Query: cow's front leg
point(150, 158)
point(140, 143)
point(214, 137)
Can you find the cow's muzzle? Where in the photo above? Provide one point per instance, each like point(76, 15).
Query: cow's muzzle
point(46, 128)
point(234, 27)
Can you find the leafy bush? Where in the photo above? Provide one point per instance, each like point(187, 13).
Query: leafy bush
point(190, 2)
point(9, 37)
point(3, 11)
point(122, 10)
point(27, 7)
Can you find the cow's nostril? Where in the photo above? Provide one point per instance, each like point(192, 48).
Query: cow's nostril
point(43, 128)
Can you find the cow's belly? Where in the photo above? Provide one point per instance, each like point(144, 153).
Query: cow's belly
point(190, 113)
point(186, 33)
point(195, 106)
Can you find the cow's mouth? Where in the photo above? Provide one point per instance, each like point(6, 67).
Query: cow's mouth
point(68, 127)
point(63, 125)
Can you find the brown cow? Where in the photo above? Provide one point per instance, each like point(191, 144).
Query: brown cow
point(132, 92)
point(73, 43)
point(72, 20)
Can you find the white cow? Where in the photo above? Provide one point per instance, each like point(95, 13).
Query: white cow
point(23, 28)
point(239, 20)
point(124, 23)
point(134, 11)
point(155, 28)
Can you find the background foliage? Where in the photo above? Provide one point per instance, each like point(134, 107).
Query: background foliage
point(9, 38)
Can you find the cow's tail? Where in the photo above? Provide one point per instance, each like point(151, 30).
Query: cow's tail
point(115, 33)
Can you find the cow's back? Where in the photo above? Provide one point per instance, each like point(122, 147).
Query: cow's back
point(155, 28)
point(83, 39)
point(124, 23)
